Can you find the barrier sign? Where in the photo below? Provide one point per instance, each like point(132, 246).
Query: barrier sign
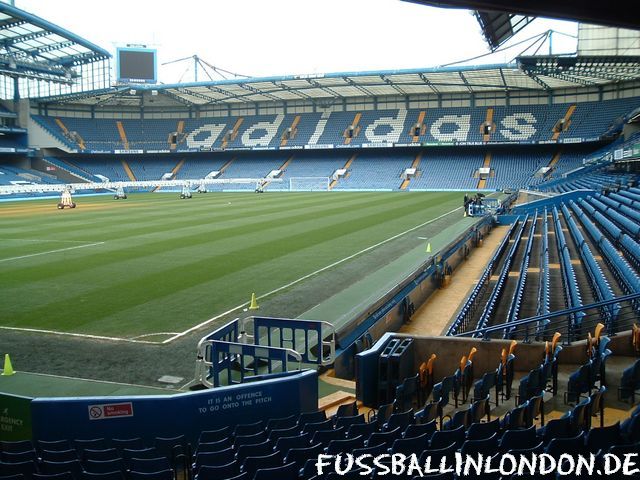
point(15, 418)
point(111, 410)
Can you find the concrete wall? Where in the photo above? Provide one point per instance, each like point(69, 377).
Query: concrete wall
point(40, 138)
point(528, 356)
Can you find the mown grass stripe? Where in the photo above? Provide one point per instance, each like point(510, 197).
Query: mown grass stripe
point(170, 270)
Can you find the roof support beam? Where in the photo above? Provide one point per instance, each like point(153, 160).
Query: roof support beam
point(429, 83)
point(9, 41)
point(257, 91)
point(323, 88)
point(393, 85)
point(355, 85)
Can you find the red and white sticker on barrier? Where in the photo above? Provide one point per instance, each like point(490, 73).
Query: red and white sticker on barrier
point(110, 410)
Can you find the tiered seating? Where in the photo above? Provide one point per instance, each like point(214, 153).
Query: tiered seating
point(514, 170)
point(375, 171)
point(10, 175)
point(498, 288)
point(597, 279)
point(583, 381)
point(288, 448)
point(97, 165)
point(474, 300)
point(309, 165)
point(448, 170)
point(526, 123)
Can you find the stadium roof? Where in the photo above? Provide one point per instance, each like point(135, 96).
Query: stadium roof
point(502, 19)
point(529, 73)
point(32, 47)
point(616, 13)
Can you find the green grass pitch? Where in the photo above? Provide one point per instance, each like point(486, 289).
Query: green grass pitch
point(154, 264)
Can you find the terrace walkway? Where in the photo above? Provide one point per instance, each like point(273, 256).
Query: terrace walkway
point(436, 313)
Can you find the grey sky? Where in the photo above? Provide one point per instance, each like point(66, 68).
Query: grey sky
point(281, 37)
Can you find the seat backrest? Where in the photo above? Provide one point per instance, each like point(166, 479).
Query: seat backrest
point(580, 416)
point(280, 423)
point(72, 466)
point(443, 438)
point(602, 438)
point(102, 454)
point(283, 472)
point(162, 475)
point(314, 427)
point(480, 409)
point(347, 421)
point(411, 445)
point(300, 455)
point(276, 433)
point(434, 456)
point(312, 417)
point(104, 466)
point(285, 443)
point(264, 448)
point(221, 457)
point(21, 468)
point(54, 445)
point(209, 436)
point(100, 476)
point(413, 430)
point(486, 446)
point(253, 439)
point(216, 472)
point(519, 439)
point(429, 413)
point(93, 443)
point(135, 443)
point(248, 429)
point(325, 436)
point(347, 410)
point(479, 431)
point(149, 465)
point(9, 457)
point(402, 420)
point(364, 429)
point(534, 409)
point(556, 428)
point(387, 438)
point(251, 464)
point(345, 445)
point(59, 455)
point(373, 451)
point(516, 417)
point(570, 445)
point(16, 446)
point(460, 418)
point(150, 452)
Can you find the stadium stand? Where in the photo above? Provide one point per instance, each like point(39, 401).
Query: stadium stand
point(522, 124)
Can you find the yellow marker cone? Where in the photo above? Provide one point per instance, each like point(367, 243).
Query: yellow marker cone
point(8, 369)
point(428, 248)
point(254, 304)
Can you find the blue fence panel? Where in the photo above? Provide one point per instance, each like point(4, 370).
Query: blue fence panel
point(172, 415)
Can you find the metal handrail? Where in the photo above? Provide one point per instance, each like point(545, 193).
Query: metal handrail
point(485, 332)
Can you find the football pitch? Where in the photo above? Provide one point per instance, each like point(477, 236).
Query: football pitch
point(154, 267)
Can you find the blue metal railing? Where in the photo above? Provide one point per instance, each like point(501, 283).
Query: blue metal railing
point(525, 329)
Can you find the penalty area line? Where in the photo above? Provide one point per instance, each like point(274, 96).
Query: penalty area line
point(92, 380)
point(309, 275)
point(49, 252)
point(77, 335)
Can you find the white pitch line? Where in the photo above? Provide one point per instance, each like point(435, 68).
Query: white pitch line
point(78, 335)
point(50, 252)
point(168, 391)
point(42, 240)
point(206, 322)
point(152, 335)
